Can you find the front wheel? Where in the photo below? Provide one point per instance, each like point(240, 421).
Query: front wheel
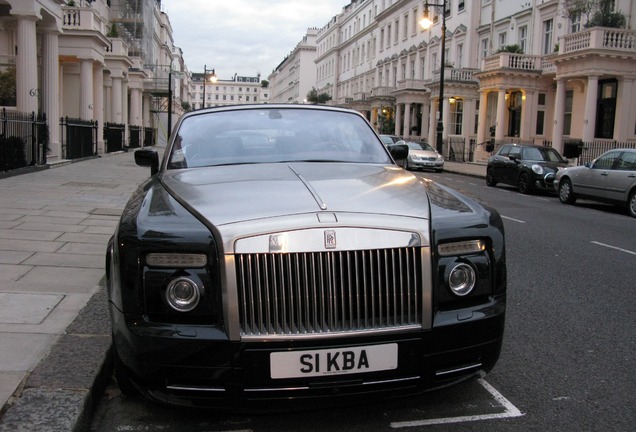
point(631, 203)
point(122, 376)
point(525, 184)
point(490, 179)
point(566, 194)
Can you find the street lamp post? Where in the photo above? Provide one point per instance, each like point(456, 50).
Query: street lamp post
point(425, 22)
point(205, 80)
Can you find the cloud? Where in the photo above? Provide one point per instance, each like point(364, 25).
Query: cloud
point(245, 37)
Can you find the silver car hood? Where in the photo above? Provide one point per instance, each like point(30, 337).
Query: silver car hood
point(238, 193)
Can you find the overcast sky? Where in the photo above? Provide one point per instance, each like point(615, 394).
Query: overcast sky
point(245, 37)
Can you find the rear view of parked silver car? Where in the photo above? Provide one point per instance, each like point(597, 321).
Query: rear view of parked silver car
point(609, 178)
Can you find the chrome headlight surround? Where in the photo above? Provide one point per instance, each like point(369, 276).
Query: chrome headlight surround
point(537, 169)
point(183, 294)
point(462, 279)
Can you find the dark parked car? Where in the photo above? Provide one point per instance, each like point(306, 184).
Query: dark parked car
point(609, 178)
point(306, 265)
point(390, 139)
point(528, 167)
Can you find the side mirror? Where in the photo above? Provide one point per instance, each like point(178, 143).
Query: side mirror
point(148, 158)
point(398, 151)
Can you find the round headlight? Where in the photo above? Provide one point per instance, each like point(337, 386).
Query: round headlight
point(461, 279)
point(183, 294)
point(537, 169)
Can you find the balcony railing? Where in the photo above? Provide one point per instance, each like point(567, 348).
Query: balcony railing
point(506, 60)
point(456, 74)
point(382, 91)
point(82, 18)
point(599, 38)
point(411, 84)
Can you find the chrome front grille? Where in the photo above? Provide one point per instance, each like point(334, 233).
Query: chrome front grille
point(295, 294)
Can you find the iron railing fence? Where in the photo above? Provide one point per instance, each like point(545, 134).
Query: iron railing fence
point(24, 139)
point(114, 136)
point(79, 138)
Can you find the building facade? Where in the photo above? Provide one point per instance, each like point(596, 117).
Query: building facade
point(238, 90)
point(103, 61)
point(295, 76)
point(514, 71)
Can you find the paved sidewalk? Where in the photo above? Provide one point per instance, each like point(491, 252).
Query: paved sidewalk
point(54, 324)
point(54, 228)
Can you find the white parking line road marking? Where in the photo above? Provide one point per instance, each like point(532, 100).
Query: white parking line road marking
point(510, 411)
point(512, 219)
point(614, 247)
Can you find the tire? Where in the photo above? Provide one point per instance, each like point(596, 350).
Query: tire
point(631, 203)
point(490, 179)
point(566, 193)
point(525, 184)
point(122, 376)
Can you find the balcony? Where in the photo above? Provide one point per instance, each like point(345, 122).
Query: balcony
point(82, 19)
point(411, 84)
point(599, 38)
point(505, 60)
point(453, 74)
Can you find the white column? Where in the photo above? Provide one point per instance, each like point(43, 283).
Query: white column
point(624, 126)
point(86, 90)
point(147, 113)
point(407, 119)
point(482, 127)
point(501, 115)
point(398, 119)
point(116, 101)
point(426, 110)
point(589, 119)
point(559, 111)
point(136, 116)
point(27, 65)
point(445, 120)
point(51, 91)
point(527, 109)
point(98, 105)
point(432, 124)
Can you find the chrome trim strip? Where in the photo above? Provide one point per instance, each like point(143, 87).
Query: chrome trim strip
point(310, 188)
point(201, 389)
point(364, 383)
point(459, 369)
point(365, 332)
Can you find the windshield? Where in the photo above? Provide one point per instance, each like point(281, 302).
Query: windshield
point(541, 154)
point(419, 146)
point(267, 135)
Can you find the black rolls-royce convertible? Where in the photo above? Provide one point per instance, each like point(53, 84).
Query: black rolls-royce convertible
point(277, 253)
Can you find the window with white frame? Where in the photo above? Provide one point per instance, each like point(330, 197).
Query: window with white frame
point(547, 36)
point(567, 112)
point(460, 56)
point(456, 115)
point(502, 39)
point(483, 51)
point(423, 67)
point(406, 25)
point(575, 23)
point(388, 36)
point(523, 37)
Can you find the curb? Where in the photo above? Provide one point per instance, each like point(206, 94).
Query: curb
point(62, 391)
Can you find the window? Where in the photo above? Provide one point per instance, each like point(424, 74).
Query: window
point(523, 38)
point(456, 115)
point(388, 36)
point(460, 6)
point(606, 162)
point(575, 23)
point(627, 162)
point(540, 114)
point(397, 30)
point(547, 36)
point(567, 115)
point(381, 39)
point(406, 25)
point(483, 52)
point(460, 56)
point(502, 39)
point(422, 67)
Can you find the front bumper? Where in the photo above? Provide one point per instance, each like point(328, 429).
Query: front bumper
point(426, 164)
point(199, 366)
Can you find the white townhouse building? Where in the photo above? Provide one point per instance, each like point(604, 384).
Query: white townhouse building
point(238, 90)
point(295, 76)
point(103, 61)
point(565, 82)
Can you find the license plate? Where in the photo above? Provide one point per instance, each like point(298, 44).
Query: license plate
point(338, 361)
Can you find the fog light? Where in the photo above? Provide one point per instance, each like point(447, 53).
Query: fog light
point(183, 294)
point(461, 279)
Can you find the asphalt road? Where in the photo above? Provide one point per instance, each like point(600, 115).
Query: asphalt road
point(568, 356)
